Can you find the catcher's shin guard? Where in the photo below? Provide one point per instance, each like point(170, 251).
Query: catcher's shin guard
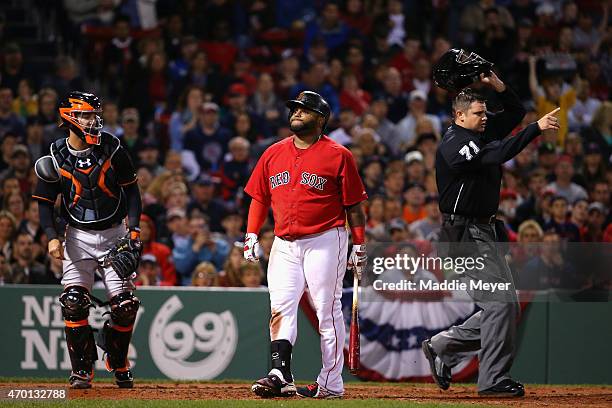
point(75, 304)
point(115, 336)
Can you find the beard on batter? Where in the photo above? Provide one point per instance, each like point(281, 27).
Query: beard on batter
point(303, 128)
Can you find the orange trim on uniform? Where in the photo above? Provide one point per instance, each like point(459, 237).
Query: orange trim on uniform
point(43, 198)
point(122, 369)
point(80, 323)
point(86, 171)
point(101, 184)
point(129, 182)
point(77, 185)
point(123, 329)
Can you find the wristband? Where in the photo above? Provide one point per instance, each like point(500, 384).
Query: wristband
point(358, 233)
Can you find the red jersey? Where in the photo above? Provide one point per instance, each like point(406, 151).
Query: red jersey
point(308, 189)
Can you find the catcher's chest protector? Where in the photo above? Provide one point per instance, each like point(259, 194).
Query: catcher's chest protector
point(90, 193)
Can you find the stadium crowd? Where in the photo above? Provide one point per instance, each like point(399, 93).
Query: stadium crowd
point(195, 90)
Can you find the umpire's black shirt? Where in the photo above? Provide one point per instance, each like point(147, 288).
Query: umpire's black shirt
point(468, 163)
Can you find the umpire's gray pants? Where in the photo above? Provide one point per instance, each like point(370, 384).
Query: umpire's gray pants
point(491, 330)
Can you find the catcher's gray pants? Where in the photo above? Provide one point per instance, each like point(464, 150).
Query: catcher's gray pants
point(83, 252)
point(491, 330)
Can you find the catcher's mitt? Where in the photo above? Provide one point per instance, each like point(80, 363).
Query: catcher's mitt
point(124, 257)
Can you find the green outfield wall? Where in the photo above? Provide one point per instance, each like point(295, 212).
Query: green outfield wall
point(203, 334)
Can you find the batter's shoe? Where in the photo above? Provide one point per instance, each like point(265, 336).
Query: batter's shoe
point(506, 389)
point(80, 379)
point(314, 390)
point(440, 372)
point(273, 385)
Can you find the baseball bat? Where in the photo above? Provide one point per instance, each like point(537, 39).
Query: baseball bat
point(353, 357)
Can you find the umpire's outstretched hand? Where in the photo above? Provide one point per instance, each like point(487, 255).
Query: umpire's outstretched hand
point(549, 121)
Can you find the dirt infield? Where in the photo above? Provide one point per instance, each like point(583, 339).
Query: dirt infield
point(537, 396)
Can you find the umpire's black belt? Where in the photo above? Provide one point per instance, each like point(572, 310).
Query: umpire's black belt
point(466, 219)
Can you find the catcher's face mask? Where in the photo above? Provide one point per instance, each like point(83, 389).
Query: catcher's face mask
point(457, 69)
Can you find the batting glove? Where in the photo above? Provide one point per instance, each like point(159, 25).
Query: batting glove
point(358, 259)
point(251, 247)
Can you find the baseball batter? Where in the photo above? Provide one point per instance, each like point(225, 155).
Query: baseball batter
point(96, 180)
point(313, 186)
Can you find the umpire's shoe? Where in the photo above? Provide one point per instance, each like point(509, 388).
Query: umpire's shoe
point(80, 379)
point(314, 390)
point(440, 372)
point(273, 385)
point(506, 388)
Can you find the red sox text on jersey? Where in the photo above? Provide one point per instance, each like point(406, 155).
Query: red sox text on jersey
point(308, 189)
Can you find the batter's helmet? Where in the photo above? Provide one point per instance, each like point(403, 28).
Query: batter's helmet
point(71, 109)
point(457, 69)
point(311, 101)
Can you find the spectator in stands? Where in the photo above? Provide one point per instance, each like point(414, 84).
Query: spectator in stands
point(352, 96)
point(595, 222)
point(372, 172)
point(600, 192)
point(205, 275)
point(15, 204)
point(233, 227)
point(149, 272)
point(315, 79)
point(24, 269)
point(230, 275)
point(26, 102)
point(385, 128)
point(244, 128)
point(581, 114)
point(34, 139)
point(344, 133)
point(130, 122)
point(119, 54)
point(397, 230)
point(563, 185)
point(10, 122)
point(235, 169)
point(208, 140)
point(66, 77)
point(185, 117)
point(162, 253)
point(110, 116)
point(330, 27)
point(405, 131)
point(13, 70)
point(395, 98)
point(414, 207)
point(356, 18)
point(204, 202)
point(251, 275)
point(426, 227)
point(19, 168)
point(265, 103)
point(579, 215)
point(559, 220)
point(200, 247)
point(555, 94)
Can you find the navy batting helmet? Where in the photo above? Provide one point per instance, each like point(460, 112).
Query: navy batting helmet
point(457, 69)
point(311, 101)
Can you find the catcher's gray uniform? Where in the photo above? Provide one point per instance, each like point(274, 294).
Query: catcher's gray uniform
point(84, 251)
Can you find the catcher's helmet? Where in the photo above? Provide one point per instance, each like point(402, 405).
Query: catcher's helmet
point(311, 101)
point(457, 69)
point(71, 110)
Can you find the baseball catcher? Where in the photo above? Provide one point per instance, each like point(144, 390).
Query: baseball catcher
point(96, 181)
